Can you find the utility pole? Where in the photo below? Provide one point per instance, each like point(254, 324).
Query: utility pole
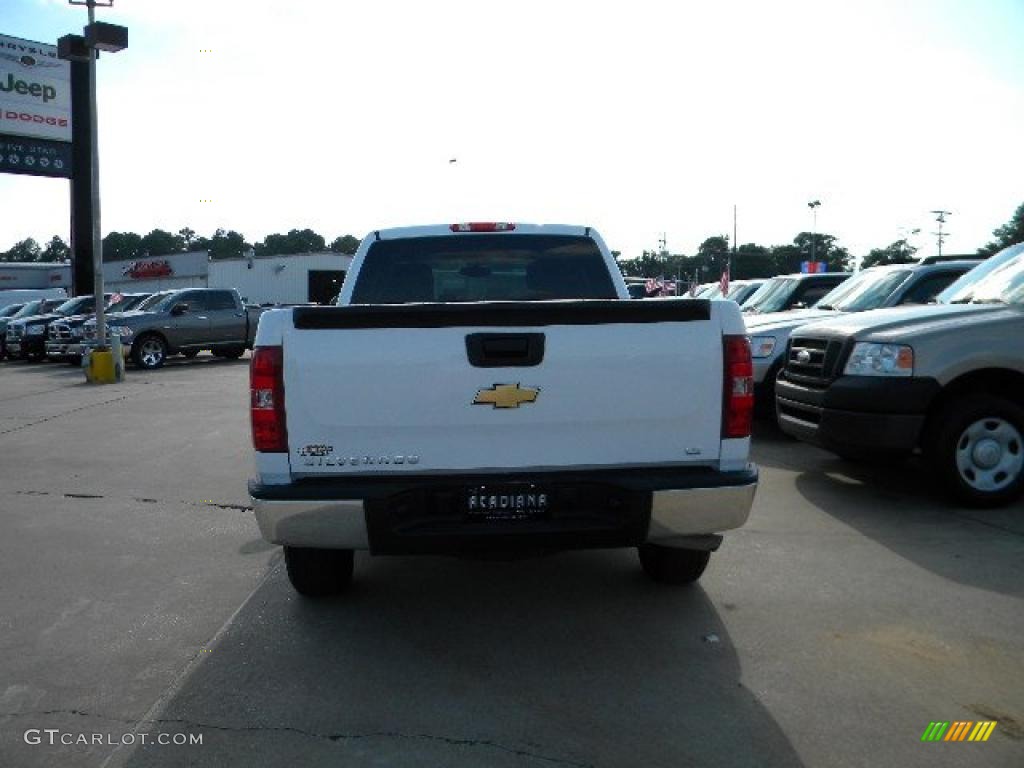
point(940, 217)
point(814, 205)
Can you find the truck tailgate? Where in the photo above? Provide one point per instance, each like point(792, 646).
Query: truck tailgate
point(393, 389)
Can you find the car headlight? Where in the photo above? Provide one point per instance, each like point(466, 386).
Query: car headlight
point(762, 346)
point(869, 359)
point(122, 330)
point(35, 330)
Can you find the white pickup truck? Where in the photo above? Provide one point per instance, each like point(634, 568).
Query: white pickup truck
point(489, 387)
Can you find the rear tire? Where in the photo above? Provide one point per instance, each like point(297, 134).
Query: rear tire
point(319, 572)
point(149, 352)
point(977, 449)
point(667, 565)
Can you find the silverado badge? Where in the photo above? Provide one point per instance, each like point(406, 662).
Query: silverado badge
point(506, 395)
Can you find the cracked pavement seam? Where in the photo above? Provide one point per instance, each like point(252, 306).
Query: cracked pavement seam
point(333, 737)
point(139, 499)
point(65, 413)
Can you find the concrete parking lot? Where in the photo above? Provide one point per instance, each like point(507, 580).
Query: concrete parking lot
point(137, 599)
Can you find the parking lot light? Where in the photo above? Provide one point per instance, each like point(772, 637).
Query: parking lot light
point(98, 37)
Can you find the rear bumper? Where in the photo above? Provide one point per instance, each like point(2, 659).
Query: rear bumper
point(618, 508)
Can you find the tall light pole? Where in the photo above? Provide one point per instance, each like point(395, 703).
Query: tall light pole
point(813, 205)
point(98, 37)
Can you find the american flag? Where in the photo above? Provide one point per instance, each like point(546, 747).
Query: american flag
point(654, 287)
point(724, 283)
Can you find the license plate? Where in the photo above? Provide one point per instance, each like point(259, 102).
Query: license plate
point(507, 502)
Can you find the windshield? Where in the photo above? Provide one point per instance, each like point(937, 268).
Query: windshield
point(962, 291)
point(153, 300)
point(124, 303)
point(74, 306)
point(864, 291)
point(10, 310)
point(1002, 283)
point(32, 308)
point(483, 268)
point(772, 296)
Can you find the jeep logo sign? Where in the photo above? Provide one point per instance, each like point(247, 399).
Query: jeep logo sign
point(35, 91)
point(44, 92)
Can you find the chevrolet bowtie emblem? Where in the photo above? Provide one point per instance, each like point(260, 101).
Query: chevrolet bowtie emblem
point(506, 395)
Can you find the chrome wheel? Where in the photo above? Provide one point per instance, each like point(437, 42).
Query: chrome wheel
point(990, 454)
point(151, 352)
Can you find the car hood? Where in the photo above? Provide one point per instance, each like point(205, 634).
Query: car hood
point(130, 315)
point(907, 322)
point(79, 319)
point(780, 321)
point(35, 319)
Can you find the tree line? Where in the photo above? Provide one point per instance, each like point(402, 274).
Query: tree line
point(222, 244)
point(749, 260)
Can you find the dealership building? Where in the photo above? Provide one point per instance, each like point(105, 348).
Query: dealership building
point(303, 278)
point(16, 274)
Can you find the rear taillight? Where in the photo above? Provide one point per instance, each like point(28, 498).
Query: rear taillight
point(266, 407)
point(738, 388)
point(484, 226)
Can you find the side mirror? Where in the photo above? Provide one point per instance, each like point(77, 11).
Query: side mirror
point(179, 309)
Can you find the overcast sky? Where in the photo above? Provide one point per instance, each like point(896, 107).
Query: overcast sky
point(638, 118)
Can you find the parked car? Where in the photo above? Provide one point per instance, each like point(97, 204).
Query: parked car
point(64, 337)
point(25, 295)
point(5, 313)
point(796, 291)
point(739, 291)
point(402, 424)
point(872, 288)
point(26, 332)
point(25, 310)
point(945, 378)
point(183, 322)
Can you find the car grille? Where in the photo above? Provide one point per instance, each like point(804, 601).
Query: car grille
point(814, 362)
point(60, 332)
point(15, 332)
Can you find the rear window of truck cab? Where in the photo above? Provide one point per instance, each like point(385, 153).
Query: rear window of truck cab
point(482, 267)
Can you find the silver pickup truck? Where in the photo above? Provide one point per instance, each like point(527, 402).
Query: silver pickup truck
point(947, 379)
point(182, 322)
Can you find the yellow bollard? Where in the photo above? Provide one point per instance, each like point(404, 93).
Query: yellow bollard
point(101, 368)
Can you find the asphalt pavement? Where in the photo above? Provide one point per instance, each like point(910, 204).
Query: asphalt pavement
point(139, 604)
